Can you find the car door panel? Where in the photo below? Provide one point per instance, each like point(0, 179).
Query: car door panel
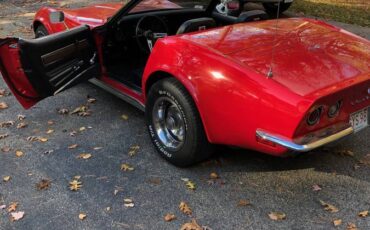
point(54, 63)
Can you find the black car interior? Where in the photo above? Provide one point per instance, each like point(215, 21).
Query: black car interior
point(129, 40)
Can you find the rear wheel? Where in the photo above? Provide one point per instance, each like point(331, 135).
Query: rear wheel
point(272, 8)
point(41, 31)
point(174, 124)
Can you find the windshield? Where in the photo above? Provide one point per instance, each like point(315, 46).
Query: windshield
point(150, 5)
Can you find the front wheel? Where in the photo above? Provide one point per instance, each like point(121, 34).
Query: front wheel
point(272, 8)
point(174, 124)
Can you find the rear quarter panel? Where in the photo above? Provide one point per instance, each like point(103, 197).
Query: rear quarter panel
point(233, 101)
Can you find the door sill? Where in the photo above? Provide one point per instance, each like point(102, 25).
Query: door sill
point(117, 93)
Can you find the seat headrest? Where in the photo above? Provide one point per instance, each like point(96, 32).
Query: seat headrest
point(196, 25)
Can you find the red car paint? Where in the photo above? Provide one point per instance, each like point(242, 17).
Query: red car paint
point(225, 71)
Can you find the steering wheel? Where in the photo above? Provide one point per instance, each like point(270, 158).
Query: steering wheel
point(148, 30)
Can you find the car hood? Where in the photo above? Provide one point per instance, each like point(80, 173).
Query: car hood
point(306, 55)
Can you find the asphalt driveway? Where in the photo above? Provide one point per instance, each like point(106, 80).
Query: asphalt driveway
point(250, 185)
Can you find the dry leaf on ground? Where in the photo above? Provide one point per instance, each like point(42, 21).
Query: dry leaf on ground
point(63, 111)
point(21, 117)
point(6, 124)
point(3, 136)
point(44, 184)
point(351, 226)
point(84, 156)
point(82, 216)
point(2, 207)
point(316, 187)
point(50, 131)
point(277, 216)
point(133, 150)
point(128, 203)
point(363, 213)
point(337, 222)
point(75, 185)
point(193, 225)
point(124, 117)
point(184, 208)
point(190, 185)
point(19, 153)
point(12, 207)
point(328, 207)
point(6, 178)
point(169, 217)
point(243, 203)
point(73, 146)
point(16, 216)
point(126, 167)
point(213, 176)
point(3, 105)
point(91, 100)
point(21, 125)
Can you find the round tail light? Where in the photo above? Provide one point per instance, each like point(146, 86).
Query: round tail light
point(334, 109)
point(314, 116)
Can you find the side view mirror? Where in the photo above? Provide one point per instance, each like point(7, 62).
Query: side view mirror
point(56, 17)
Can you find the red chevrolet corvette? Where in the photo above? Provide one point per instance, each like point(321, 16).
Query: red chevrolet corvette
point(202, 77)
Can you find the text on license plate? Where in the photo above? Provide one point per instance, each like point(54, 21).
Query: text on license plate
point(359, 120)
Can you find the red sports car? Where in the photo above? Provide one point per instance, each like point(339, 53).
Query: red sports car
point(202, 78)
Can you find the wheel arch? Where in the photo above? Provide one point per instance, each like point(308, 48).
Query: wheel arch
point(160, 75)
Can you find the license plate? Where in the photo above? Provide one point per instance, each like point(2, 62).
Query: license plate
point(359, 120)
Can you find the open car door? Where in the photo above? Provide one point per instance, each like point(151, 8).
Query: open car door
point(39, 68)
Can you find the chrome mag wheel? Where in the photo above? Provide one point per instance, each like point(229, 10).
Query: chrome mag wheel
point(168, 123)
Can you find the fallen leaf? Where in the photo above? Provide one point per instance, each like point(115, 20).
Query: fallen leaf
point(50, 122)
point(73, 146)
point(16, 216)
point(126, 167)
point(82, 216)
point(6, 149)
point(3, 105)
point(12, 207)
point(75, 185)
point(363, 213)
point(6, 178)
point(190, 185)
point(19, 153)
point(128, 203)
point(133, 150)
point(84, 156)
point(2, 207)
point(50, 131)
point(4, 93)
point(73, 133)
point(213, 176)
point(316, 188)
point(84, 114)
point(97, 148)
point(91, 100)
point(21, 117)
point(337, 222)
point(169, 217)
point(82, 129)
point(21, 125)
point(6, 124)
point(243, 203)
point(328, 207)
point(42, 139)
point(124, 117)
point(77, 177)
point(184, 208)
point(351, 226)
point(3, 136)
point(193, 225)
point(108, 209)
point(79, 109)
point(277, 216)
point(44, 184)
point(63, 111)
point(34, 138)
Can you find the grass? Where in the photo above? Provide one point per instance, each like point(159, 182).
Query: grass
point(348, 11)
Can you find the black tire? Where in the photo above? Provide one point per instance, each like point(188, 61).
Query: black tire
point(272, 8)
point(41, 31)
point(195, 146)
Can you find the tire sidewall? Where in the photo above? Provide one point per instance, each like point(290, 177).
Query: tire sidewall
point(180, 156)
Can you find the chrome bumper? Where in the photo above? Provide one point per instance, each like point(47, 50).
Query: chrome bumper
point(283, 141)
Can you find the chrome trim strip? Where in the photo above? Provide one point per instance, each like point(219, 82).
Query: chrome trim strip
point(283, 141)
point(117, 93)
